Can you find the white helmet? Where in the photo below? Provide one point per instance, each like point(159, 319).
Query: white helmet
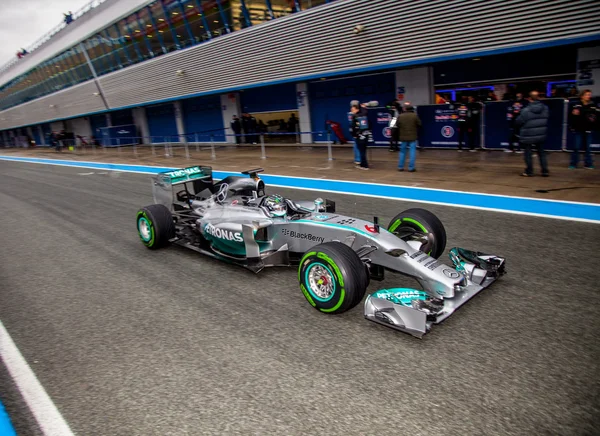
point(276, 205)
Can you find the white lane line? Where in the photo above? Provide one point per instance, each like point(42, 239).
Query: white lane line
point(43, 409)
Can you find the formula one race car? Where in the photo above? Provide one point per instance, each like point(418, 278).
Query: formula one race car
point(234, 220)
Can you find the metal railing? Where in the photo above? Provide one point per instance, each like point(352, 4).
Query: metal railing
point(48, 35)
point(175, 145)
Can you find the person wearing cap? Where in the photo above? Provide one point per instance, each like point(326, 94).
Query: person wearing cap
point(409, 124)
point(361, 132)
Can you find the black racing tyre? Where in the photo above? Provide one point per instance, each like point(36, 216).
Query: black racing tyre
point(421, 221)
point(332, 277)
point(155, 225)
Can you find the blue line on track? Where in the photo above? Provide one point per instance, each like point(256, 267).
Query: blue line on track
point(520, 205)
point(6, 428)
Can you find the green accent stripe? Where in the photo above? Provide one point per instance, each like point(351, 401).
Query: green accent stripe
point(337, 306)
point(339, 226)
point(397, 223)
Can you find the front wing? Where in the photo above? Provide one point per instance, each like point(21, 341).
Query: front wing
point(414, 312)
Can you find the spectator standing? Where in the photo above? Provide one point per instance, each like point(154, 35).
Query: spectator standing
point(68, 17)
point(351, 127)
point(514, 110)
point(462, 114)
point(236, 127)
point(491, 96)
point(409, 124)
point(253, 128)
point(293, 124)
point(361, 132)
point(583, 119)
point(473, 122)
point(396, 109)
point(533, 126)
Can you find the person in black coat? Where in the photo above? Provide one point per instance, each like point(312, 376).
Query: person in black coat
point(473, 122)
point(236, 127)
point(533, 126)
point(583, 120)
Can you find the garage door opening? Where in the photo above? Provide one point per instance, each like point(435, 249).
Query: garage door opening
point(281, 127)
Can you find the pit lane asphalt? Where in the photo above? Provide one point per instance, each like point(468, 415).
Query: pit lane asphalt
point(127, 341)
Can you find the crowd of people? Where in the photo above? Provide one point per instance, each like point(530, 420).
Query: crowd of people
point(527, 121)
point(248, 130)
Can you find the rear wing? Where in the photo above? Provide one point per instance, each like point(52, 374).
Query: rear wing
point(189, 174)
point(163, 183)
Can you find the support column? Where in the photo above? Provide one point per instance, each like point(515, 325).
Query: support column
point(415, 85)
point(230, 106)
point(588, 69)
point(57, 126)
point(30, 134)
point(108, 119)
point(141, 121)
point(179, 121)
point(80, 126)
point(304, 113)
point(42, 136)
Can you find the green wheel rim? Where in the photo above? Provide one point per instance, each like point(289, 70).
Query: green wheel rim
point(397, 223)
point(320, 276)
point(145, 230)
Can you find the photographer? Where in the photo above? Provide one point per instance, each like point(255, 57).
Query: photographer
point(395, 108)
point(361, 132)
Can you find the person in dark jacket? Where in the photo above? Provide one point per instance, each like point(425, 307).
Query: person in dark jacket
point(409, 124)
point(583, 120)
point(533, 126)
point(514, 110)
point(473, 122)
point(462, 116)
point(236, 127)
point(361, 132)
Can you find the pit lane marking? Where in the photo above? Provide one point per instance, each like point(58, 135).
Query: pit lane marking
point(44, 411)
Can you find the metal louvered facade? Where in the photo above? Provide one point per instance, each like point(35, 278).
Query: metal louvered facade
point(320, 42)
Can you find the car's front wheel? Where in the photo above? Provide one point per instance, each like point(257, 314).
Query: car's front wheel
point(155, 225)
point(420, 224)
point(332, 277)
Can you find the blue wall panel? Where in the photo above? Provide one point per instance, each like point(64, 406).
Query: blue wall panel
point(161, 122)
point(330, 99)
point(270, 98)
point(123, 117)
point(97, 122)
point(203, 116)
point(36, 135)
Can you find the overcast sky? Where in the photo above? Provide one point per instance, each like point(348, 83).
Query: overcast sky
point(22, 22)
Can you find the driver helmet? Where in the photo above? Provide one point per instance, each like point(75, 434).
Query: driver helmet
point(276, 205)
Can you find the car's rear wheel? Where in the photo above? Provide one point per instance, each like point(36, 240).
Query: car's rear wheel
point(332, 277)
point(420, 224)
point(155, 226)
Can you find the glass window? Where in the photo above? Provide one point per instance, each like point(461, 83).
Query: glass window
point(216, 26)
point(312, 3)
point(178, 22)
point(129, 44)
point(235, 14)
point(117, 42)
point(281, 8)
point(162, 23)
point(153, 38)
point(195, 20)
point(258, 11)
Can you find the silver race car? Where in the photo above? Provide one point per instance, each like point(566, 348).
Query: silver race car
point(234, 220)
